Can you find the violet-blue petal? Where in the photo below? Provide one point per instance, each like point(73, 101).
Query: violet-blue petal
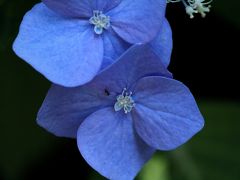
point(138, 21)
point(162, 44)
point(80, 8)
point(53, 45)
point(166, 114)
point(137, 62)
point(64, 109)
point(108, 142)
point(114, 47)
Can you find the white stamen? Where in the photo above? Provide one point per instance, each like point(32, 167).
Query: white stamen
point(100, 21)
point(195, 6)
point(124, 101)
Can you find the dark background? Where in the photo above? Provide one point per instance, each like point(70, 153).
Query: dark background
point(205, 57)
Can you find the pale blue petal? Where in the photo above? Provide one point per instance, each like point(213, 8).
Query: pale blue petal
point(66, 51)
point(138, 21)
point(80, 8)
point(109, 143)
point(64, 109)
point(166, 114)
point(162, 44)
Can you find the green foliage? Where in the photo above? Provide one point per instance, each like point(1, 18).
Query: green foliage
point(228, 10)
point(212, 154)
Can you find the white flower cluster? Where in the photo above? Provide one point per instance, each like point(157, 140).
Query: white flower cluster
point(194, 6)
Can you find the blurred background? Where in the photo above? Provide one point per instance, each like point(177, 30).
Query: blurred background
point(205, 57)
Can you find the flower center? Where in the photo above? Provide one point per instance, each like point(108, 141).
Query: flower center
point(124, 101)
point(100, 21)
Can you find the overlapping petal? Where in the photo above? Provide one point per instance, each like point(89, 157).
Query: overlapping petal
point(109, 143)
point(53, 45)
point(80, 8)
point(114, 47)
point(138, 21)
point(78, 103)
point(166, 114)
point(64, 109)
point(138, 61)
point(162, 44)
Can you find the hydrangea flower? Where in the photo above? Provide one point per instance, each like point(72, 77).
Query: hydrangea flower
point(124, 114)
point(69, 41)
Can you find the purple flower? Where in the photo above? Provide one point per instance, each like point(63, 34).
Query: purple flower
point(69, 41)
point(124, 114)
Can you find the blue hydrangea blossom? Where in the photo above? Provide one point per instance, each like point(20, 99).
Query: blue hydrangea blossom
point(70, 41)
point(124, 115)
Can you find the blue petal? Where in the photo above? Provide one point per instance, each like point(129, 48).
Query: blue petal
point(162, 44)
point(166, 114)
point(80, 8)
point(114, 47)
point(66, 51)
point(137, 62)
point(109, 143)
point(138, 21)
point(64, 109)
